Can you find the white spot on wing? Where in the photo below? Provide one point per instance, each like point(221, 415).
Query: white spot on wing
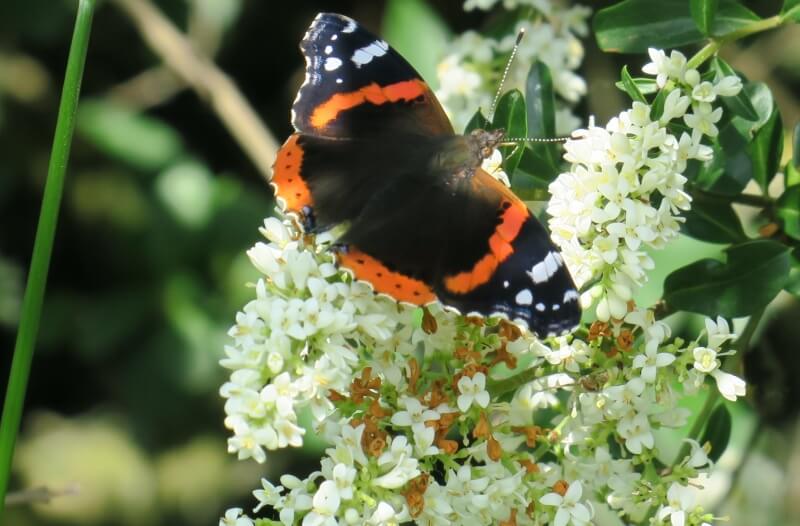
point(338, 81)
point(332, 63)
point(540, 307)
point(538, 273)
point(524, 297)
point(570, 295)
point(365, 54)
point(334, 36)
point(550, 263)
point(328, 50)
point(505, 284)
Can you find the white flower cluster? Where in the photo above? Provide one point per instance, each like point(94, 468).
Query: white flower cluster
point(294, 342)
point(417, 415)
point(470, 72)
point(625, 189)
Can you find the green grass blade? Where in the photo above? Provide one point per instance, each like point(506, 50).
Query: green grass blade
point(43, 245)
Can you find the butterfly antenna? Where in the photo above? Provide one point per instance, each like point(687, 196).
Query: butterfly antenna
point(505, 73)
point(508, 141)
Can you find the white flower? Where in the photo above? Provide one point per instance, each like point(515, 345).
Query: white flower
point(718, 332)
point(234, 517)
point(473, 390)
point(493, 165)
point(570, 509)
point(415, 414)
point(681, 502)
point(268, 495)
point(637, 433)
point(403, 466)
point(665, 68)
point(729, 385)
point(703, 119)
point(325, 504)
point(728, 86)
point(705, 359)
point(651, 360)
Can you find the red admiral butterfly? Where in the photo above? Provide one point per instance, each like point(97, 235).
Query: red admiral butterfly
point(374, 149)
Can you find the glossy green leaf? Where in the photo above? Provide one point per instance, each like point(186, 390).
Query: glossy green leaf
point(646, 86)
point(788, 210)
point(738, 104)
point(793, 283)
point(540, 101)
point(657, 109)
point(718, 431)
point(732, 16)
point(766, 150)
point(137, 139)
point(422, 47)
point(749, 278)
point(713, 221)
point(630, 87)
point(632, 26)
point(728, 171)
point(761, 99)
point(791, 174)
point(477, 122)
point(703, 12)
point(535, 172)
point(791, 10)
point(512, 117)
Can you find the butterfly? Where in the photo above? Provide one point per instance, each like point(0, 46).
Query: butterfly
point(374, 150)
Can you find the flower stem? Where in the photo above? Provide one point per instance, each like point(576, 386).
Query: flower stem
point(714, 45)
point(43, 245)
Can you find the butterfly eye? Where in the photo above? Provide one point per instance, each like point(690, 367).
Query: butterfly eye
point(486, 152)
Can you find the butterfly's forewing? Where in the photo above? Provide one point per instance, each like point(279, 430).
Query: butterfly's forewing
point(356, 85)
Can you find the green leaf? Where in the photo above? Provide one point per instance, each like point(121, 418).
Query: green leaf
point(738, 104)
point(713, 221)
point(732, 16)
point(718, 431)
point(766, 150)
point(703, 12)
point(753, 273)
point(144, 142)
point(761, 99)
point(646, 86)
point(788, 209)
point(540, 101)
point(535, 172)
point(632, 26)
point(730, 168)
point(512, 117)
point(477, 122)
point(791, 10)
point(422, 47)
point(657, 109)
point(791, 174)
point(630, 87)
point(793, 283)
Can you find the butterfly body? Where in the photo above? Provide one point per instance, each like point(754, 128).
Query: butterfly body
point(374, 149)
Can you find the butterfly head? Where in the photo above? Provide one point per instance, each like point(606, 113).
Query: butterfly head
point(485, 141)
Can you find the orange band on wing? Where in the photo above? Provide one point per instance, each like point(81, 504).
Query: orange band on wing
point(290, 187)
point(396, 285)
point(500, 248)
point(373, 93)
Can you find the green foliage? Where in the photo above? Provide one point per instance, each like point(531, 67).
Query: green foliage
point(133, 138)
point(713, 220)
point(632, 26)
point(718, 431)
point(703, 13)
point(791, 10)
point(511, 116)
point(738, 104)
point(751, 275)
point(788, 210)
point(422, 47)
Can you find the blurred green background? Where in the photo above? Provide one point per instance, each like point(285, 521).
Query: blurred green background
point(122, 416)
